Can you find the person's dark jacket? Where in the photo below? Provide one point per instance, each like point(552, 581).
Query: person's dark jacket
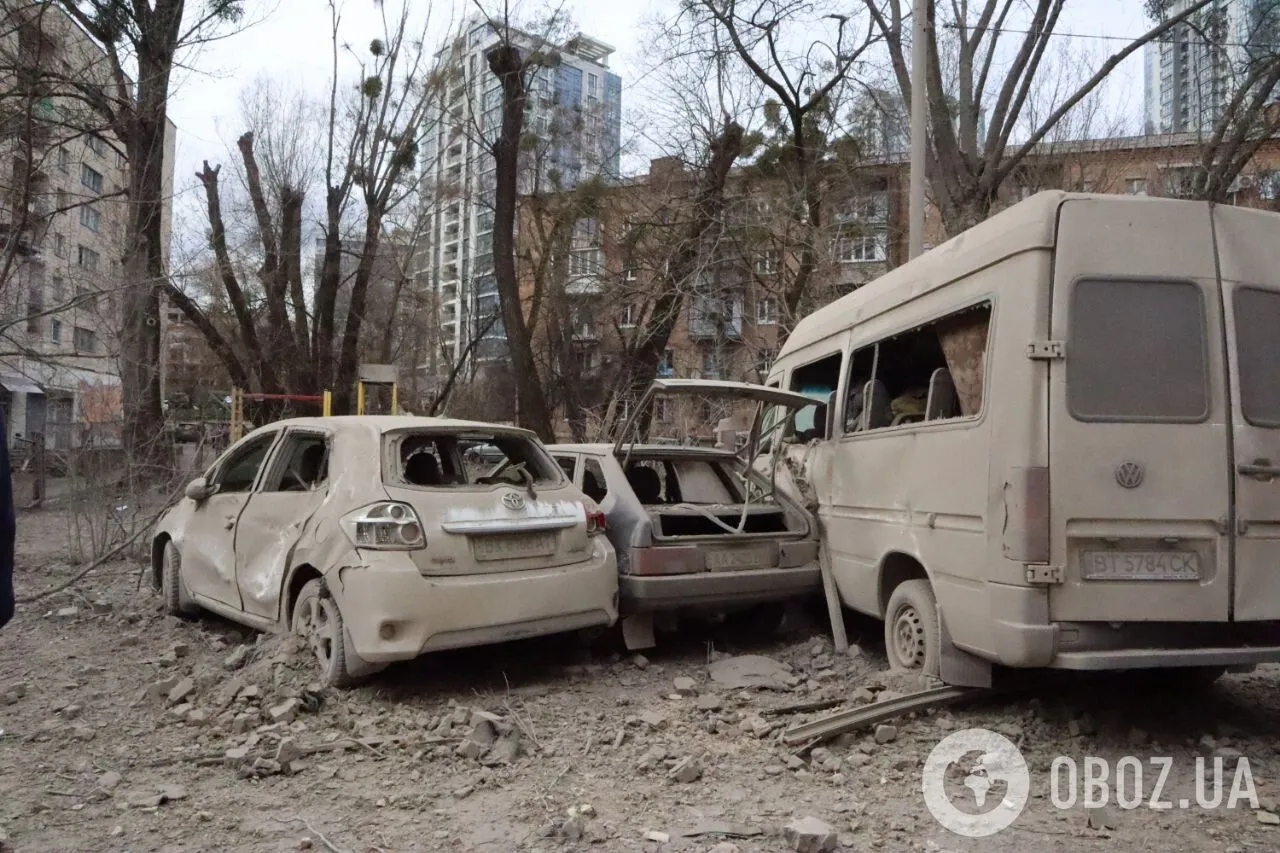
point(7, 529)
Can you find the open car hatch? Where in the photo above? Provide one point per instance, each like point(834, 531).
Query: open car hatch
point(708, 389)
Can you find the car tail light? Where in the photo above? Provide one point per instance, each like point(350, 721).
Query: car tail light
point(596, 522)
point(388, 526)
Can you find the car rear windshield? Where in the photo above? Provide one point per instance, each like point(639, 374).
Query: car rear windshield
point(432, 459)
point(1258, 351)
point(1137, 351)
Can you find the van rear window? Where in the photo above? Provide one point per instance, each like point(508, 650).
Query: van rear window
point(1137, 352)
point(1258, 353)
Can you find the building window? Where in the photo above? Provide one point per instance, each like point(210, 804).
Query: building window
point(90, 218)
point(95, 143)
point(662, 410)
point(869, 208)
point(711, 365)
point(767, 263)
point(766, 311)
point(61, 201)
point(57, 289)
point(35, 308)
point(1135, 186)
point(87, 258)
point(91, 177)
point(64, 160)
point(60, 245)
point(862, 248)
point(629, 315)
point(593, 84)
point(584, 262)
point(84, 340)
point(667, 367)
point(55, 331)
point(630, 274)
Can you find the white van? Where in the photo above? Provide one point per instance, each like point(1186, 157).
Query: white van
point(1054, 441)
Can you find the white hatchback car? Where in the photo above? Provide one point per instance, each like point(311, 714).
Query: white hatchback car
point(379, 538)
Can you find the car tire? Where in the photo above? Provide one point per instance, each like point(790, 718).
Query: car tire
point(759, 620)
point(177, 601)
point(318, 621)
point(912, 632)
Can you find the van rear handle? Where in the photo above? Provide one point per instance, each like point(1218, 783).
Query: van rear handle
point(1260, 469)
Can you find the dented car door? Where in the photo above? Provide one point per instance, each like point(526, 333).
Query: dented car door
point(275, 521)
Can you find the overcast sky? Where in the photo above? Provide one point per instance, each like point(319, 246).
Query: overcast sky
point(290, 41)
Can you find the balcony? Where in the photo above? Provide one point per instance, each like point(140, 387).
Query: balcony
point(716, 318)
point(585, 332)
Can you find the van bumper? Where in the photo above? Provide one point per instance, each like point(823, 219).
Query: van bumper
point(1159, 658)
point(392, 612)
point(716, 589)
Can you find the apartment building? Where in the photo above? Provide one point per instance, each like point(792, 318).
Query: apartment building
point(574, 117)
point(63, 220)
point(1191, 73)
point(733, 312)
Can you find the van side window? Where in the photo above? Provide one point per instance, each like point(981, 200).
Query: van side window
point(931, 373)
point(1137, 351)
point(819, 380)
point(1258, 354)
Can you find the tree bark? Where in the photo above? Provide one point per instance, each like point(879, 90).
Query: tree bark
point(506, 63)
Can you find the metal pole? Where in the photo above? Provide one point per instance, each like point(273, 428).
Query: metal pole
point(919, 93)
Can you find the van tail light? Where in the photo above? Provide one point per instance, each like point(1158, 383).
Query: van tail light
point(386, 526)
point(596, 522)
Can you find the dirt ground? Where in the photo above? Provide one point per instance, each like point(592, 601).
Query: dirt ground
point(126, 730)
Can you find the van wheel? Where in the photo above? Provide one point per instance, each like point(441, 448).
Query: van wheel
point(912, 634)
point(317, 620)
point(177, 601)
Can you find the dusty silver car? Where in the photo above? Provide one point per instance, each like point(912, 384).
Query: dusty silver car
point(698, 528)
point(374, 539)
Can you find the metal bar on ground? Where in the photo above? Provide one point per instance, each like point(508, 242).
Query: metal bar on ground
point(877, 712)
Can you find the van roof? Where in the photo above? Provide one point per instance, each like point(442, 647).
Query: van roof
point(1030, 224)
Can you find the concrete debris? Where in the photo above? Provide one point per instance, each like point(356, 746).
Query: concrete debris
point(238, 658)
point(285, 712)
point(854, 650)
point(180, 649)
point(197, 717)
point(68, 612)
point(287, 753)
point(483, 731)
point(109, 780)
point(1083, 726)
point(655, 756)
point(159, 690)
point(1138, 737)
point(236, 755)
point(243, 722)
point(252, 693)
point(173, 793)
point(886, 733)
point(810, 835)
point(725, 847)
point(686, 686)
point(709, 702)
point(1268, 818)
point(504, 751)
point(639, 661)
point(688, 770)
point(794, 762)
point(654, 835)
point(757, 725)
point(263, 766)
point(653, 719)
point(1230, 757)
point(470, 749)
point(751, 671)
point(178, 713)
point(720, 827)
point(180, 691)
point(1103, 818)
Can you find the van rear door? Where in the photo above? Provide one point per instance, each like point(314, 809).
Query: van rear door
point(1140, 488)
point(1249, 253)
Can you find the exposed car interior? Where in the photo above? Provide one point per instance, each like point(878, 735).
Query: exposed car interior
point(434, 460)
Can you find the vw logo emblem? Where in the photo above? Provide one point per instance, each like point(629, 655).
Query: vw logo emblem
point(512, 500)
point(1130, 475)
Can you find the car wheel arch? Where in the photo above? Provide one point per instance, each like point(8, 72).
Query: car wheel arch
point(158, 544)
point(896, 567)
point(297, 578)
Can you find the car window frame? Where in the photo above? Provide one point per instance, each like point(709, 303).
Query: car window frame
point(214, 479)
point(277, 457)
point(576, 476)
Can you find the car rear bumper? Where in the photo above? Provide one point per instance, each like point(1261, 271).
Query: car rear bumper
point(669, 592)
point(392, 612)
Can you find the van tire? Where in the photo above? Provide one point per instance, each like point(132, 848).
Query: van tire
point(318, 622)
point(177, 601)
point(912, 632)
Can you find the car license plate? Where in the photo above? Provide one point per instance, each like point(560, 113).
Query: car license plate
point(509, 546)
point(1141, 565)
point(739, 558)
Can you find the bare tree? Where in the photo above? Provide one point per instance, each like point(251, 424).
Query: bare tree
point(999, 56)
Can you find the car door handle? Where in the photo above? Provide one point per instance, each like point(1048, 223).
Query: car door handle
point(1260, 469)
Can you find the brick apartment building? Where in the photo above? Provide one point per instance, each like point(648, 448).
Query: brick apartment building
point(594, 286)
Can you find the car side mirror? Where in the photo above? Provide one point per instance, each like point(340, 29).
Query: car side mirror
point(199, 489)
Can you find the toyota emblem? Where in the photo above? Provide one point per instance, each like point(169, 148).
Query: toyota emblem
point(513, 500)
point(1130, 475)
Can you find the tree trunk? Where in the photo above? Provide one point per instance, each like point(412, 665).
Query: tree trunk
point(506, 64)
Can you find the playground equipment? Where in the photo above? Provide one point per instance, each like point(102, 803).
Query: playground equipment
point(237, 406)
point(376, 376)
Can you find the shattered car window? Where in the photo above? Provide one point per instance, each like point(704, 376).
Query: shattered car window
point(441, 460)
